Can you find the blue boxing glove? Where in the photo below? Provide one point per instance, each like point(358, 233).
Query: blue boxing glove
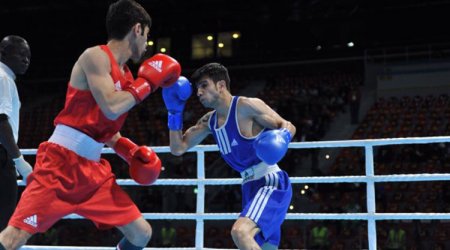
point(175, 97)
point(272, 145)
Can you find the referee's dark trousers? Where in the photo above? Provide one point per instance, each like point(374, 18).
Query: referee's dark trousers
point(8, 188)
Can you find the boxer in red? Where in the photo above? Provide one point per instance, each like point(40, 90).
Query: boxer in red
point(69, 175)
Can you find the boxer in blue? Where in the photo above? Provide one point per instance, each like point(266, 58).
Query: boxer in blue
point(251, 137)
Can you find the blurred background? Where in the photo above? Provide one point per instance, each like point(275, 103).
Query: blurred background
point(339, 70)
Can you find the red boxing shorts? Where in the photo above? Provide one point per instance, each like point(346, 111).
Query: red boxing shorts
point(62, 183)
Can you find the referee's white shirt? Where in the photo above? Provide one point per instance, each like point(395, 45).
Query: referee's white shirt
point(9, 98)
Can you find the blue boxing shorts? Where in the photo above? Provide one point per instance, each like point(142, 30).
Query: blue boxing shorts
point(266, 196)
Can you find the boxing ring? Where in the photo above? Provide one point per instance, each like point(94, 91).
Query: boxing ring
point(371, 216)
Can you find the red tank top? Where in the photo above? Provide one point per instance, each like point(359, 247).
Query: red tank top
point(81, 111)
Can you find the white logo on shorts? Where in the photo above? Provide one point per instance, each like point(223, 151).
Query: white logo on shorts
point(32, 220)
point(117, 86)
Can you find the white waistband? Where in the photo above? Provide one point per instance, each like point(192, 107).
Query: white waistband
point(76, 141)
point(258, 171)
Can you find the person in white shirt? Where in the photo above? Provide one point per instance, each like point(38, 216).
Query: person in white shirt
point(15, 57)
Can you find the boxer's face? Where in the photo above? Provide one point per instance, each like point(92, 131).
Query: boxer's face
point(207, 92)
point(140, 45)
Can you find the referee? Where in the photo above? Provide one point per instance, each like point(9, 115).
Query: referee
point(14, 60)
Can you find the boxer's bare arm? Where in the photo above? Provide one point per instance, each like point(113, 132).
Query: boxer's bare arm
point(92, 71)
point(260, 112)
point(180, 143)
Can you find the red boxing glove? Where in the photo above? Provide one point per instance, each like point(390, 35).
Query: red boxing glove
point(159, 70)
point(140, 89)
point(145, 166)
point(145, 173)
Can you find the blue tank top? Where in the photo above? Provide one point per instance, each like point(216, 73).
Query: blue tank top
point(235, 149)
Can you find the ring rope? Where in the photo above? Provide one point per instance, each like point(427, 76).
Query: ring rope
point(370, 179)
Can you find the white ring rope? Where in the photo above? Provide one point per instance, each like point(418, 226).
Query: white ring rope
point(294, 180)
point(106, 248)
point(370, 179)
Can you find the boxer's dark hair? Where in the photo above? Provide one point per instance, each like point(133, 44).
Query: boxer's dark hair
point(122, 16)
point(215, 71)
